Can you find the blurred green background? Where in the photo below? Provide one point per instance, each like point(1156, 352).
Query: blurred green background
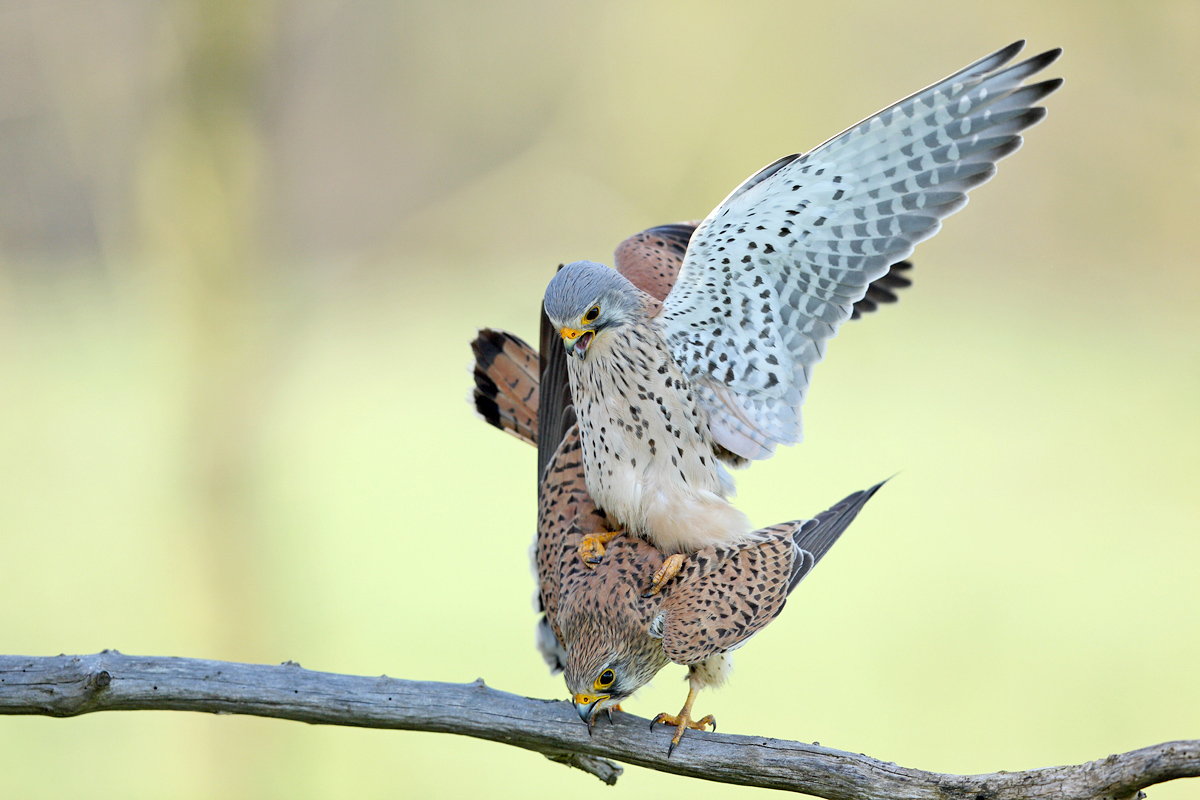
point(243, 247)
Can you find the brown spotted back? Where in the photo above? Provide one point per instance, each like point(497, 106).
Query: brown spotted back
point(565, 515)
point(720, 599)
point(725, 596)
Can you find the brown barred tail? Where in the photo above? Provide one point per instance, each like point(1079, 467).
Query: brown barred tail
point(506, 383)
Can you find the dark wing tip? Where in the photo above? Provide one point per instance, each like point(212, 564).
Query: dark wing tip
point(1048, 87)
point(883, 289)
point(1047, 58)
point(832, 523)
point(676, 231)
point(1034, 64)
point(997, 59)
point(1011, 50)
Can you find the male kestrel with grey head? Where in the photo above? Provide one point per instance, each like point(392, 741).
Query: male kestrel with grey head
point(598, 625)
point(669, 393)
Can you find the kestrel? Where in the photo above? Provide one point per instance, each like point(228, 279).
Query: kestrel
point(669, 393)
point(597, 625)
point(610, 638)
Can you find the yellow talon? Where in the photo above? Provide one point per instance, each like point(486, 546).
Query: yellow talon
point(669, 569)
point(591, 547)
point(683, 720)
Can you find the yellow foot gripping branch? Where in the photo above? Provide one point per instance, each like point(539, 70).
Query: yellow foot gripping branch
point(683, 721)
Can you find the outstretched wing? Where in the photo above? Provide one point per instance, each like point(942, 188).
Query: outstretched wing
point(780, 264)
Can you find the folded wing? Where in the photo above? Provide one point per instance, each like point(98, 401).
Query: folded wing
point(724, 597)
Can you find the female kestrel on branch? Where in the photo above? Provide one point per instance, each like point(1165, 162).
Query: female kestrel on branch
point(598, 625)
point(668, 393)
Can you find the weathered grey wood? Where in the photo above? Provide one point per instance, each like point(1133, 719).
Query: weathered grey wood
point(65, 686)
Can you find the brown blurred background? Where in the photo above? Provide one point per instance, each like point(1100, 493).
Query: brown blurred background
point(243, 247)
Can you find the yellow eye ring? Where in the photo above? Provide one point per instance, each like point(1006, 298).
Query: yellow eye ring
point(592, 313)
point(606, 679)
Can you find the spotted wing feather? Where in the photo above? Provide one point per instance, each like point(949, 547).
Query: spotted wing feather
point(650, 260)
point(778, 266)
point(565, 514)
point(722, 598)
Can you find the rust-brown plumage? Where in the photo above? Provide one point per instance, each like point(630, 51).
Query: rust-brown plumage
point(598, 620)
point(506, 383)
point(598, 626)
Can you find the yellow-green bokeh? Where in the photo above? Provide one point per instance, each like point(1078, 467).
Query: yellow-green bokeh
point(232, 420)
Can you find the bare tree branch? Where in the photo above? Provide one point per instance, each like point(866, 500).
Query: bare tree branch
point(65, 686)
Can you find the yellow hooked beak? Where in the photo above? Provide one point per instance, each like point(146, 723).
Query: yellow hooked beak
point(576, 341)
point(587, 705)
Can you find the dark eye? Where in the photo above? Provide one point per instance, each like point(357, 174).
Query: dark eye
point(592, 313)
point(606, 679)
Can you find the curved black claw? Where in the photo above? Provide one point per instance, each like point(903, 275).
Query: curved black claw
point(653, 590)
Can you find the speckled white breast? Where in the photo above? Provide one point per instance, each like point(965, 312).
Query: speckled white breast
point(648, 456)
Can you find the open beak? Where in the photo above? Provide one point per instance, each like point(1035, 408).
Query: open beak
point(588, 705)
point(576, 341)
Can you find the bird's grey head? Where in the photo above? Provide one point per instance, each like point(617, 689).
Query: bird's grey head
point(584, 299)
